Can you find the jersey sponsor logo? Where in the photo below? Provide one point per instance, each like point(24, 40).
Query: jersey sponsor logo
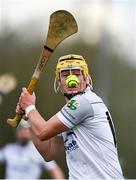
point(73, 104)
point(70, 143)
point(71, 146)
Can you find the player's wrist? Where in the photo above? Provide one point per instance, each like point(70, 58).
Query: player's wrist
point(29, 109)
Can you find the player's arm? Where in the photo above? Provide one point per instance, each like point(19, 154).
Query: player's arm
point(49, 149)
point(44, 130)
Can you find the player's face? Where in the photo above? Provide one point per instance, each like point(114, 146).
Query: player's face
point(82, 81)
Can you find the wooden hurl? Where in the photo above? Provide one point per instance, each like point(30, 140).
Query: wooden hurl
point(62, 25)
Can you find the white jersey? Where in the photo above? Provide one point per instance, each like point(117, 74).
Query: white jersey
point(90, 143)
point(23, 162)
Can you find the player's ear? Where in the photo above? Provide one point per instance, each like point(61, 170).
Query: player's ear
point(87, 79)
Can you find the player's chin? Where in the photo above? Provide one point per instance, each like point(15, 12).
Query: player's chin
point(72, 90)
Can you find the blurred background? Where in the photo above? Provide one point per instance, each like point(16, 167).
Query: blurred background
point(107, 40)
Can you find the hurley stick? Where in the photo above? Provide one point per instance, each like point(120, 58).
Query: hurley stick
point(62, 25)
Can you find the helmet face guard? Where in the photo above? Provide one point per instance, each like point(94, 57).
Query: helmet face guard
point(69, 62)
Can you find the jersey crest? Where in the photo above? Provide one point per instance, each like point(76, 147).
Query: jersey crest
point(73, 104)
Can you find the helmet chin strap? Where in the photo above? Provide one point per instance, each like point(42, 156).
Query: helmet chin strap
point(69, 96)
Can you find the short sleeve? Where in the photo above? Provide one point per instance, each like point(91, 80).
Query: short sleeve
point(75, 111)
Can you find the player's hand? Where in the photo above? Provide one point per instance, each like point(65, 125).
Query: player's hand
point(26, 99)
point(19, 110)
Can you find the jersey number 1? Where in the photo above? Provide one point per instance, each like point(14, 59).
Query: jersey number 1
point(112, 127)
